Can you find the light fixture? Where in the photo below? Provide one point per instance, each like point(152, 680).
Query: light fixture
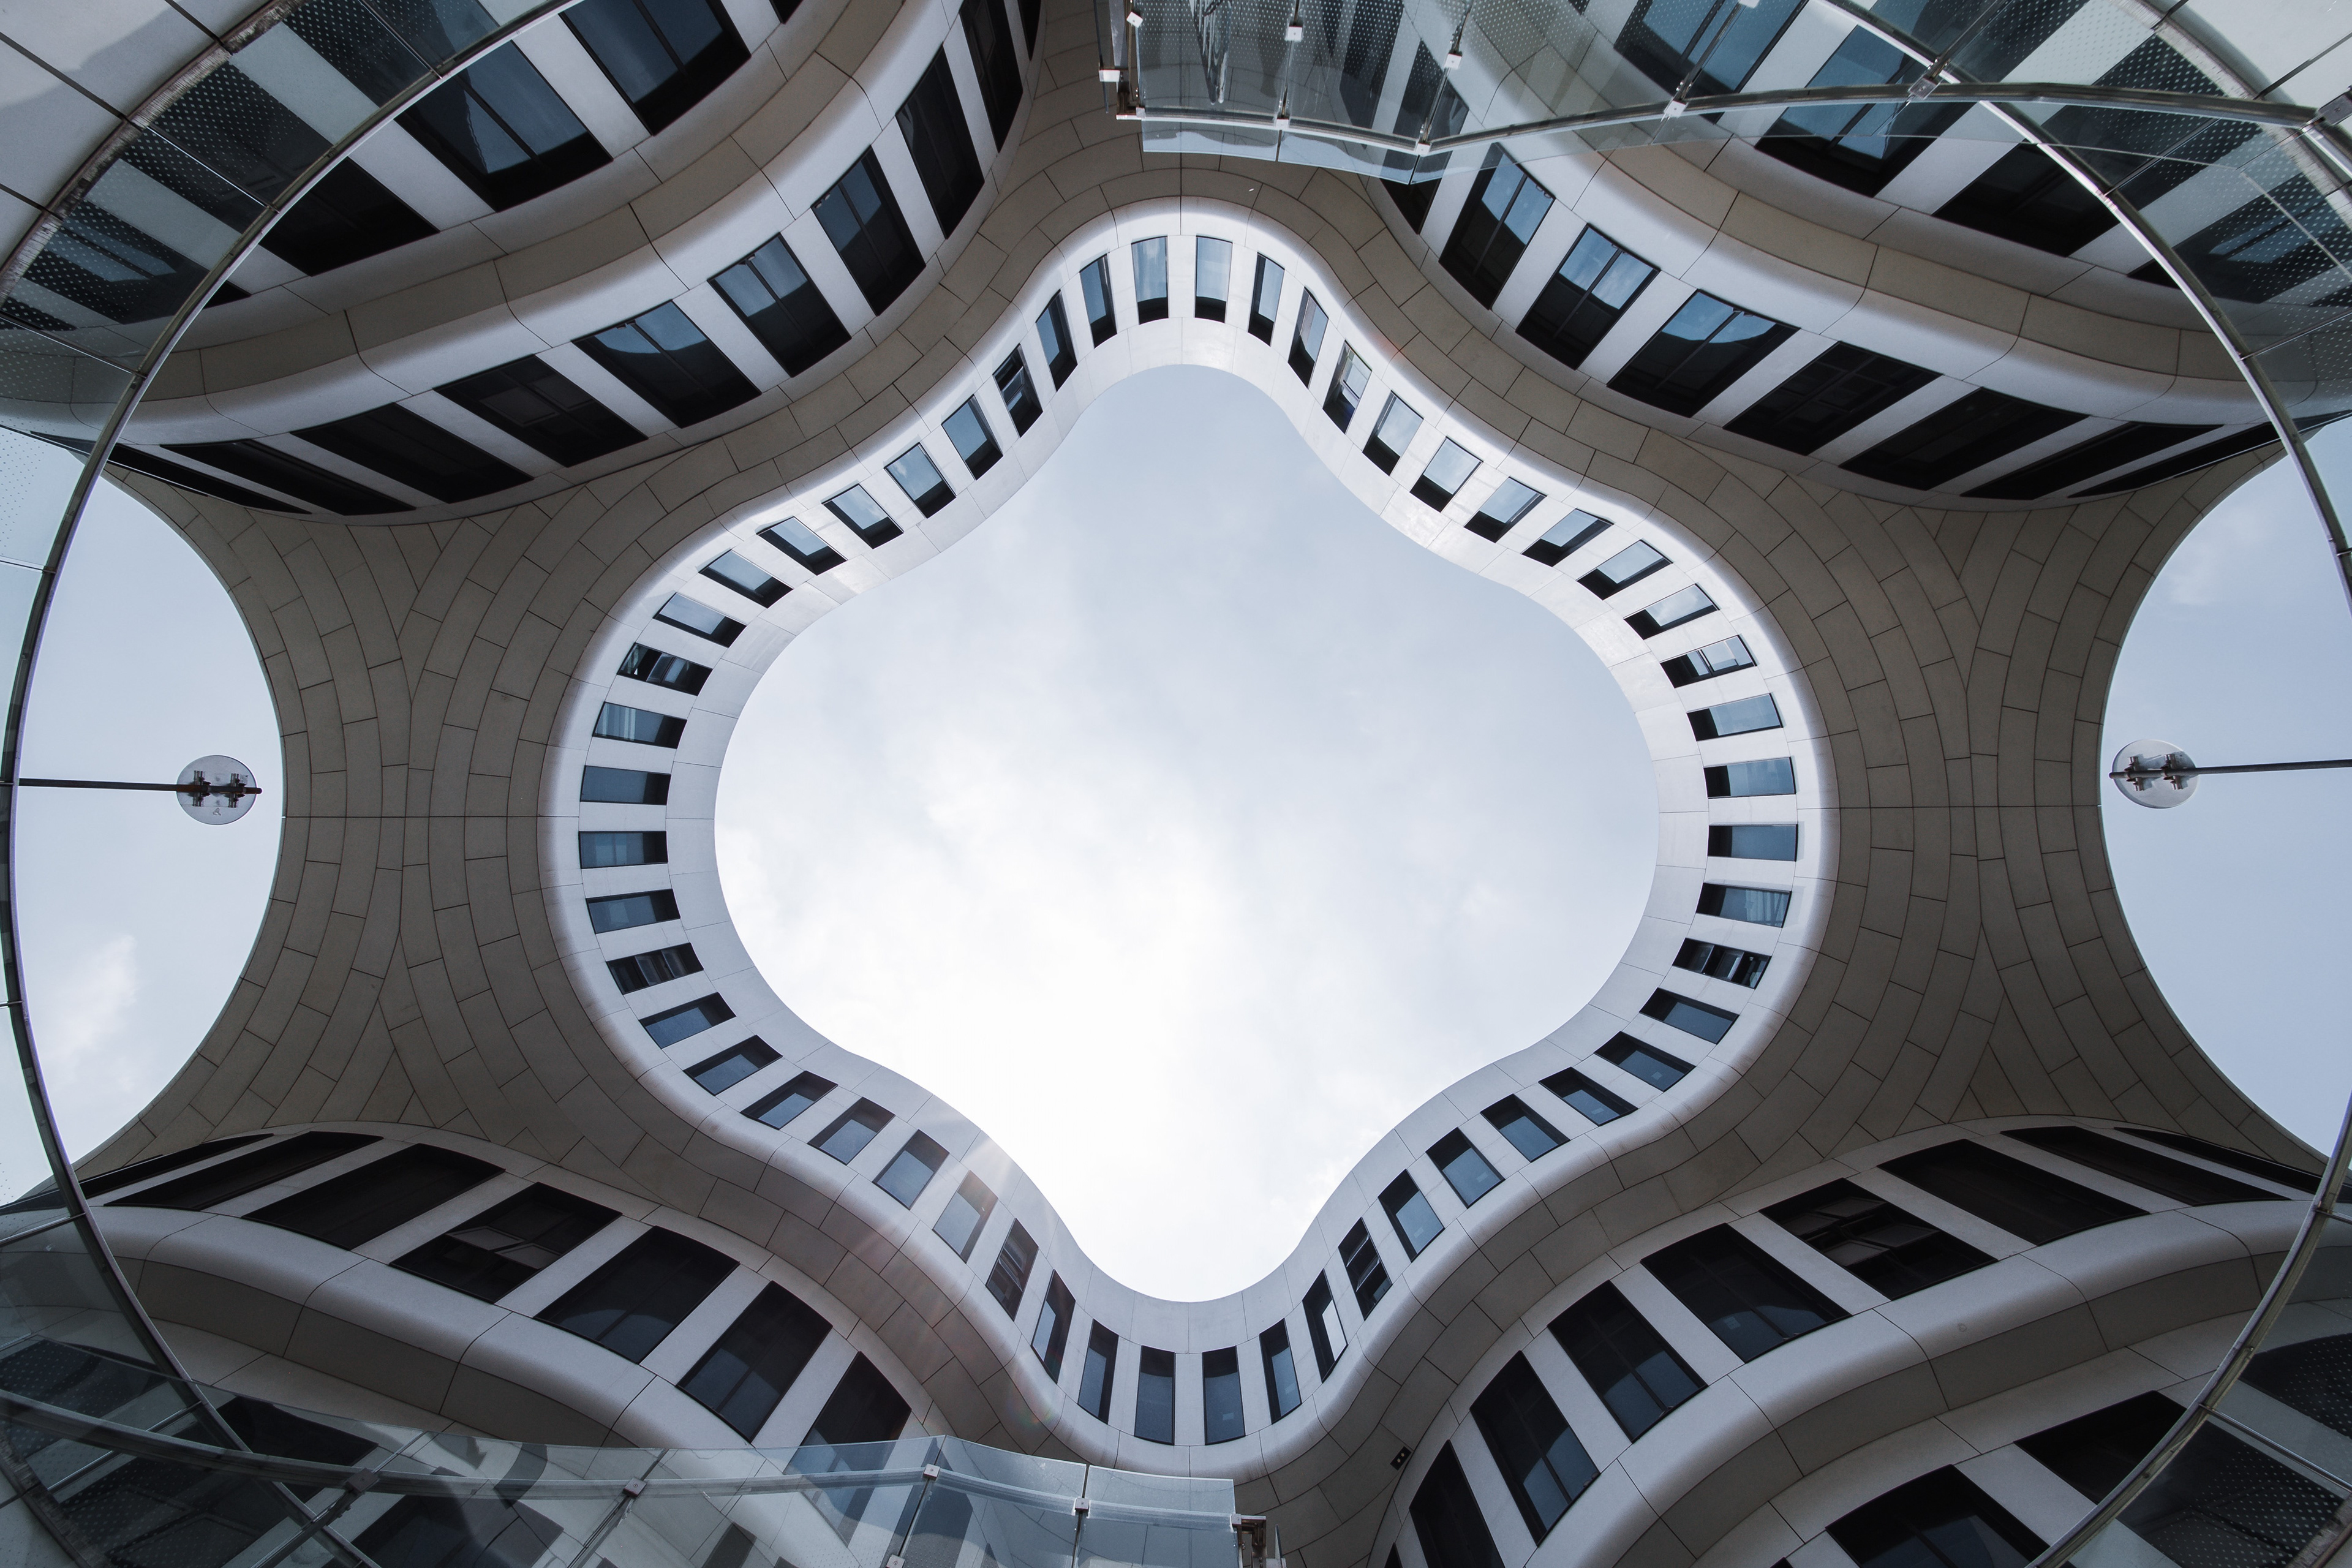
point(1296, 29)
point(1107, 73)
point(1454, 60)
point(213, 790)
point(2159, 775)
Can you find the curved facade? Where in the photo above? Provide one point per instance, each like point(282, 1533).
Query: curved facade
point(1879, 1155)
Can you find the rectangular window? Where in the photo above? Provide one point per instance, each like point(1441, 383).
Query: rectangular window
point(932, 121)
point(1051, 1337)
point(1589, 1099)
point(623, 786)
point(733, 1065)
point(1943, 1505)
point(1709, 1024)
point(1346, 389)
point(874, 527)
point(1416, 1222)
point(862, 1408)
point(1703, 348)
point(2235, 1159)
point(2093, 1452)
point(1624, 569)
point(1542, 1463)
point(1714, 43)
point(1510, 501)
point(1102, 310)
point(1572, 533)
point(362, 1204)
point(1368, 1277)
point(1870, 1239)
point(1736, 964)
point(2140, 1167)
point(1325, 1331)
point(1757, 906)
point(598, 849)
point(639, 725)
point(305, 481)
point(1150, 257)
point(543, 409)
point(1010, 1276)
point(2064, 471)
point(1859, 146)
point(647, 969)
point(493, 1254)
point(1645, 1061)
point(1281, 1373)
point(1155, 1395)
point(656, 667)
point(1100, 1373)
point(968, 432)
point(1446, 1520)
point(694, 615)
point(1496, 222)
point(786, 311)
point(1583, 299)
point(1265, 299)
point(1212, 273)
point(1307, 337)
point(1020, 393)
point(675, 1024)
point(1750, 1298)
point(1753, 841)
point(743, 1377)
point(348, 215)
point(405, 447)
point(665, 56)
point(995, 61)
point(1397, 427)
point(1054, 333)
point(961, 1223)
point(851, 1130)
point(1706, 663)
point(1220, 1394)
point(2024, 1200)
point(1465, 1169)
point(624, 912)
point(633, 1302)
point(664, 358)
point(1447, 474)
point(807, 547)
point(2027, 199)
point(921, 480)
point(1629, 1364)
point(504, 131)
point(1958, 439)
point(1530, 1134)
point(1675, 609)
point(1767, 775)
point(780, 1106)
point(744, 578)
point(861, 218)
point(1843, 386)
point(910, 1170)
point(1743, 717)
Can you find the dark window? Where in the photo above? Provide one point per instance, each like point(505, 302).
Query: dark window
point(874, 527)
point(1843, 386)
point(1346, 389)
point(1735, 964)
point(1703, 348)
point(1598, 278)
point(1367, 1275)
point(786, 311)
point(656, 667)
point(734, 1065)
point(995, 61)
point(1743, 716)
point(1859, 146)
point(1594, 1103)
point(1051, 1336)
point(1155, 1396)
point(1054, 332)
point(2198, 456)
point(1624, 569)
point(932, 121)
point(1570, 534)
point(693, 615)
point(1010, 1276)
point(664, 358)
point(122, 1176)
point(626, 787)
point(2141, 1167)
point(1445, 1518)
point(851, 1130)
point(1510, 501)
point(1020, 393)
point(1757, 906)
point(1444, 475)
point(1151, 261)
point(645, 728)
point(305, 481)
point(745, 578)
point(920, 479)
point(1325, 1331)
point(2027, 198)
point(1100, 1372)
point(799, 541)
point(1307, 337)
point(1888, 1250)
point(1943, 1520)
point(1530, 1134)
point(2236, 1159)
point(1709, 1024)
point(910, 1170)
point(1281, 1371)
point(743, 1377)
point(2093, 1452)
point(1767, 775)
point(675, 1024)
point(189, 479)
point(780, 1106)
point(968, 431)
point(632, 1302)
point(1398, 425)
point(362, 1204)
point(1675, 609)
point(622, 911)
point(862, 1408)
point(1654, 1067)
point(1751, 1300)
point(1706, 663)
point(1220, 1394)
point(1636, 1374)
point(541, 408)
point(664, 54)
point(347, 216)
point(1542, 1463)
point(647, 969)
point(2064, 471)
point(1413, 200)
point(1030, 12)
point(1213, 278)
point(2024, 1200)
point(437, 1530)
point(598, 849)
point(1416, 1222)
point(1102, 310)
point(493, 1253)
point(504, 131)
point(960, 1224)
point(861, 218)
point(249, 1172)
point(1714, 44)
point(1465, 1169)
point(1265, 298)
point(1496, 222)
point(1963, 435)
